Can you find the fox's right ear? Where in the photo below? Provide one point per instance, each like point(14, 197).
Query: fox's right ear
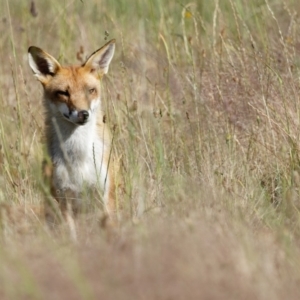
point(42, 63)
point(99, 61)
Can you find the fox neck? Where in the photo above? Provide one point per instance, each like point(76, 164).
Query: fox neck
point(68, 141)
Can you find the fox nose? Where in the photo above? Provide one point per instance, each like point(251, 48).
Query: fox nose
point(83, 115)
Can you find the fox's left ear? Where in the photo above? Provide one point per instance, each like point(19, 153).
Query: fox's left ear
point(99, 61)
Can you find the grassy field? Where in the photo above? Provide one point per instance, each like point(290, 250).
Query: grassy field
point(203, 101)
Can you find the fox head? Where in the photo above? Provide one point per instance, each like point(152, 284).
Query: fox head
point(72, 92)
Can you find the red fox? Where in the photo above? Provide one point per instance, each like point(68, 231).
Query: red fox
point(78, 140)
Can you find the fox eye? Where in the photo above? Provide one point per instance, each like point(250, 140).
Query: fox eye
point(62, 93)
point(92, 90)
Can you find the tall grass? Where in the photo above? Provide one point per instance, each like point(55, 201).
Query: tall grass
point(203, 100)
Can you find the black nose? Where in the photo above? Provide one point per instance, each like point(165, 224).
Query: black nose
point(83, 116)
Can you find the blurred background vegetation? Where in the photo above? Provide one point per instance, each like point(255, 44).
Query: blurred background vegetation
point(203, 99)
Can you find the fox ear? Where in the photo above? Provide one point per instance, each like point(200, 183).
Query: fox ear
point(99, 61)
point(42, 63)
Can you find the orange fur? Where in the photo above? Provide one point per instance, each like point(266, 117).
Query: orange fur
point(78, 140)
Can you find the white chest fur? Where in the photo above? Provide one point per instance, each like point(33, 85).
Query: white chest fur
point(78, 155)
